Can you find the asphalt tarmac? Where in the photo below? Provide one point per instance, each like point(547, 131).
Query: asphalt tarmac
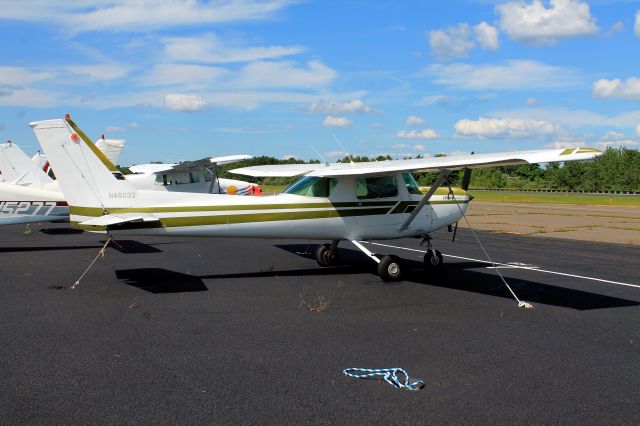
point(220, 331)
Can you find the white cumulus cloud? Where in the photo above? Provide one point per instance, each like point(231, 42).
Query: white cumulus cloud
point(417, 134)
point(487, 36)
point(184, 102)
point(533, 23)
point(636, 27)
point(504, 128)
point(452, 42)
point(638, 130)
point(414, 120)
point(457, 41)
point(628, 89)
point(332, 121)
point(349, 107)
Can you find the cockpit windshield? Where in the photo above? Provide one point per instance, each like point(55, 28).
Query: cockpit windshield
point(312, 186)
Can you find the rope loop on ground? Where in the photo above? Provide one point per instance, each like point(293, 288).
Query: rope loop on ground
point(390, 375)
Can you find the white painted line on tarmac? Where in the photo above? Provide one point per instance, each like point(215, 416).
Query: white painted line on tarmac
point(515, 266)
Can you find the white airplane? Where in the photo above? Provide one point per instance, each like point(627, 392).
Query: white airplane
point(192, 176)
point(28, 194)
point(354, 202)
point(111, 148)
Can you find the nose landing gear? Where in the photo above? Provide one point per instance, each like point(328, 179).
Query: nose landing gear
point(432, 258)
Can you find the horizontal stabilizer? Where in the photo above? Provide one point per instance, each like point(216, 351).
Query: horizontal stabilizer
point(120, 219)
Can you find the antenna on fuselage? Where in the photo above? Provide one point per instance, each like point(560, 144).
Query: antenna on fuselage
point(319, 155)
point(343, 150)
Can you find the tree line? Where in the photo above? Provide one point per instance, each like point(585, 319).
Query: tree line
point(617, 169)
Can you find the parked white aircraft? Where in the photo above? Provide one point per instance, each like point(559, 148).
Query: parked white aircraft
point(28, 194)
point(360, 201)
point(111, 148)
point(192, 176)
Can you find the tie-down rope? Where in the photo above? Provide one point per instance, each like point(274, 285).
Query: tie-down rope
point(100, 254)
point(521, 303)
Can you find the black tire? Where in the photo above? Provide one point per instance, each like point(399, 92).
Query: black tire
point(431, 262)
point(325, 257)
point(390, 268)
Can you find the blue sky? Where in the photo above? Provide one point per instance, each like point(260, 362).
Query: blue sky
point(182, 80)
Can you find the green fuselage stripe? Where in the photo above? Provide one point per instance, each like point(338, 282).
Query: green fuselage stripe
point(96, 211)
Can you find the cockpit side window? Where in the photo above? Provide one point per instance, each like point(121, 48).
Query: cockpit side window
point(312, 186)
point(376, 187)
point(411, 184)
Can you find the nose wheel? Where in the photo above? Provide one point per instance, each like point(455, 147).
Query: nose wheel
point(432, 260)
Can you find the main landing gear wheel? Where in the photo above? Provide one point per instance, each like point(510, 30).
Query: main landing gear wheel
point(325, 256)
point(431, 262)
point(390, 268)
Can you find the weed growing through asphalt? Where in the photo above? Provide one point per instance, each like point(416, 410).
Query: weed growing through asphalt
point(318, 304)
point(267, 270)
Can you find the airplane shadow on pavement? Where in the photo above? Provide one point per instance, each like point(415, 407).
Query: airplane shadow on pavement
point(465, 276)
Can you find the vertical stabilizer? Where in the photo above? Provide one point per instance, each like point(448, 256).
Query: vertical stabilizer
point(111, 148)
point(16, 166)
point(83, 172)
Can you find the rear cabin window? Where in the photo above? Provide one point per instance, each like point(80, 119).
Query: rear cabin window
point(411, 184)
point(376, 187)
point(312, 186)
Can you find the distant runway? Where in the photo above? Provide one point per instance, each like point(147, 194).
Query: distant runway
point(207, 331)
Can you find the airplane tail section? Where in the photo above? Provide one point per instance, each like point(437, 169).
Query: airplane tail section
point(16, 166)
point(111, 148)
point(85, 175)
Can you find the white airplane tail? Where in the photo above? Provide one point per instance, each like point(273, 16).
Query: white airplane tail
point(111, 148)
point(16, 166)
point(85, 175)
point(41, 161)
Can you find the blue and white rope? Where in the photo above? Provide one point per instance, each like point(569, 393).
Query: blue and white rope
point(390, 375)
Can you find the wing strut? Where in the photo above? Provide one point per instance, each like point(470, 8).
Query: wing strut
point(444, 174)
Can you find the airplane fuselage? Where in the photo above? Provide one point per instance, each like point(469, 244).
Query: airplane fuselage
point(340, 216)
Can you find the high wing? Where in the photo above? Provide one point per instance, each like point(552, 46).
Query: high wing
point(189, 165)
point(457, 162)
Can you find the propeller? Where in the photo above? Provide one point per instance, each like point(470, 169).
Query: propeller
point(466, 179)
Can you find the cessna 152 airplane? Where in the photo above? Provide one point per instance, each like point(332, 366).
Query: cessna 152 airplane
point(28, 194)
point(354, 202)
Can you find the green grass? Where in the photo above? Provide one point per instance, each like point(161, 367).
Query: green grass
point(272, 189)
point(555, 198)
